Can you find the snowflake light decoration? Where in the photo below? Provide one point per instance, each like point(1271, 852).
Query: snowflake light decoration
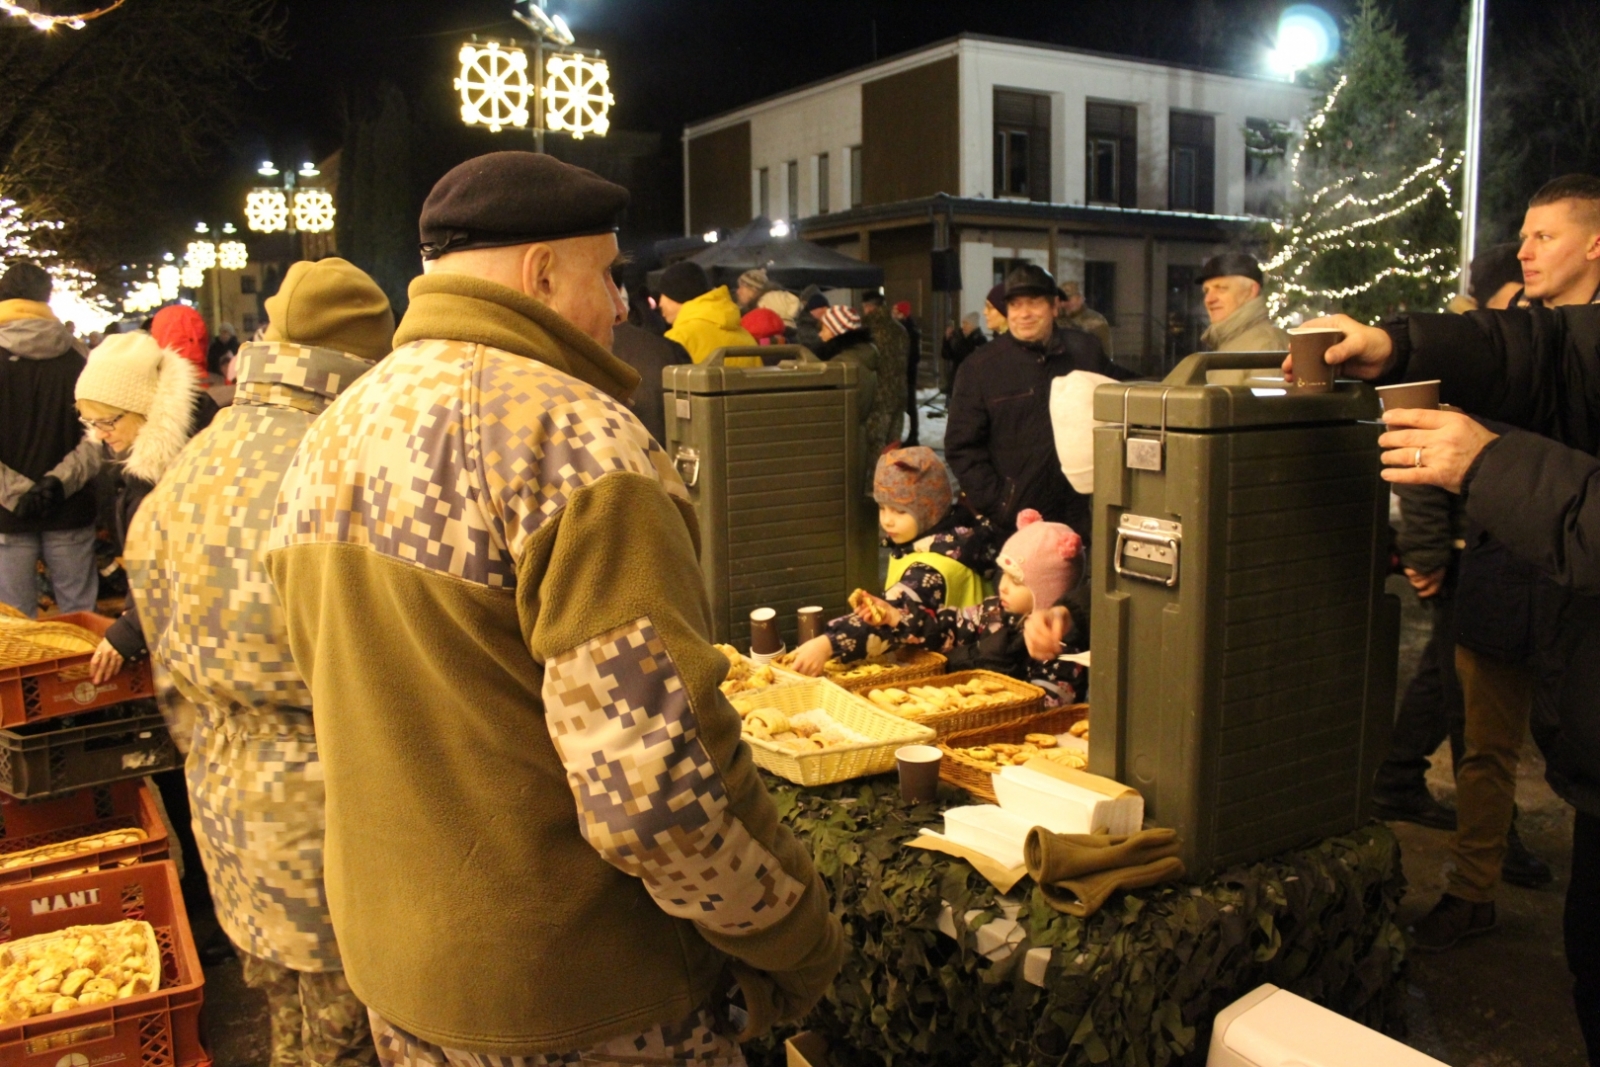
point(168, 278)
point(313, 210)
point(201, 254)
point(192, 277)
point(577, 95)
point(267, 210)
point(146, 296)
point(233, 255)
point(494, 86)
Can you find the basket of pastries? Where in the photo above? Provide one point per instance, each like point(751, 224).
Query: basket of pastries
point(972, 757)
point(746, 677)
point(965, 700)
point(813, 733)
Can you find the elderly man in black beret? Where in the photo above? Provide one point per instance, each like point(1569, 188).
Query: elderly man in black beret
point(999, 440)
point(545, 837)
point(1232, 284)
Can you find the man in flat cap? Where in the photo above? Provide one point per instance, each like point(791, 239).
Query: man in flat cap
point(999, 440)
point(545, 837)
point(1232, 286)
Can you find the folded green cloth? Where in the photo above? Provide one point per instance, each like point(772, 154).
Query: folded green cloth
point(1078, 872)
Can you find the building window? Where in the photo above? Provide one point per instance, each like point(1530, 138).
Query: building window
point(1266, 152)
point(1021, 145)
point(1100, 287)
point(764, 192)
point(823, 197)
point(1192, 140)
point(856, 197)
point(1186, 314)
point(1002, 267)
point(792, 180)
point(1113, 154)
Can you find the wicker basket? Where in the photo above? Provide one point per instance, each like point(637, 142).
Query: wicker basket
point(843, 762)
point(906, 665)
point(968, 774)
point(1025, 699)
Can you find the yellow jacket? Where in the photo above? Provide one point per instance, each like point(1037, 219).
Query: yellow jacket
point(709, 322)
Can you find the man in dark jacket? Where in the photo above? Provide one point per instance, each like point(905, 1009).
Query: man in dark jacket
point(959, 343)
point(1536, 490)
point(647, 353)
point(47, 467)
point(902, 315)
point(999, 441)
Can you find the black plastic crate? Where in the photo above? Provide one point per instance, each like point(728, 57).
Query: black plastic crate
point(59, 755)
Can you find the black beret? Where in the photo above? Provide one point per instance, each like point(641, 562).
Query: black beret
point(513, 198)
point(1030, 280)
point(684, 281)
point(1229, 264)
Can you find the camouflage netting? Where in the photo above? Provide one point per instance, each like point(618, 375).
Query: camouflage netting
point(1138, 983)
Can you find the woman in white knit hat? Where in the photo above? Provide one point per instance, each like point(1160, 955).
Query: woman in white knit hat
point(143, 402)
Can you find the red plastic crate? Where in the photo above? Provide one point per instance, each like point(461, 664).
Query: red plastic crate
point(96, 810)
point(61, 686)
point(160, 1029)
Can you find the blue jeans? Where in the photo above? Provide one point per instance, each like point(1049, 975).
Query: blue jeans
point(69, 557)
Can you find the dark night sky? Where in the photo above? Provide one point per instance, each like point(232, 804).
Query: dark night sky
point(675, 61)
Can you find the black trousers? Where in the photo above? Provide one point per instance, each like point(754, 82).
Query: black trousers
point(1582, 929)
point(912, 369)
point(1431, 710)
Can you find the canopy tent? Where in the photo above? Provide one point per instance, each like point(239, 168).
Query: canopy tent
point(789, 261)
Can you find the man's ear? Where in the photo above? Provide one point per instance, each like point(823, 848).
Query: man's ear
point(1255, 289)
point(538, 272)
point(1592, 253)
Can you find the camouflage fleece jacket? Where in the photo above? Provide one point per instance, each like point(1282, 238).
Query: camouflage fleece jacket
point(196, 560)
point(544, 830)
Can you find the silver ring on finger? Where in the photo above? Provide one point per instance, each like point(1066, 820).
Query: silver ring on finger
point(1418, 461)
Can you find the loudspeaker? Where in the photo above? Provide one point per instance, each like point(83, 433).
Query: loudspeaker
point(947, 270)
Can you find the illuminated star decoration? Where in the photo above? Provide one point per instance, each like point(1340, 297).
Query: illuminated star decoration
point(232, 255)
point(168, 278)
point(1335, 218)
point(201, 254)
point(313, 210)
point(266, 210)
point(578, 95)
point(41, 21)
point(494, 86)
point(192, 277)
point(72, 295)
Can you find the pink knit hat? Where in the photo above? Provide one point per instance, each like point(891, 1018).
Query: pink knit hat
point(1044, 556)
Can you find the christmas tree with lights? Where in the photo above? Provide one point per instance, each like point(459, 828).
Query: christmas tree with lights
point(1373, 222)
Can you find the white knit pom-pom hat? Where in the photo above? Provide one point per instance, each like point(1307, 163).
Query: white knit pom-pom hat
point(132, 372)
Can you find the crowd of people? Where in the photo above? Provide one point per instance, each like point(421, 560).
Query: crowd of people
point(427, 606)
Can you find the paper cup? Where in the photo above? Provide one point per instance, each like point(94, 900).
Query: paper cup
point(919, 773)
point(764, 637)
point(1409, 395)
point(1308, 349)
point(810, 623)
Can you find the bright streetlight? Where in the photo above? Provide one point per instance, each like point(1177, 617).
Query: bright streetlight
point(1307, 35)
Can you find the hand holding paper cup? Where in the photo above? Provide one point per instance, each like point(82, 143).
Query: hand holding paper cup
point(1421, 395)
point(1308, 352)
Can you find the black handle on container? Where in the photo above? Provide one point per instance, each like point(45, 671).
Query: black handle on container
point(1193, 370)
point(785, 353)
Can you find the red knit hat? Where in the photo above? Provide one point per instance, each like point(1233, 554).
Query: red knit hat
point(903, 308)
point(915, 481)
point(1044, 556)
point(764, 324)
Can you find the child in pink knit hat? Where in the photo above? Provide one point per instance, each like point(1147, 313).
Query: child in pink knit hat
point(1039, 565)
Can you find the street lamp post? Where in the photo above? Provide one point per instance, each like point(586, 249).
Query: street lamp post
point(269, 209)
point(206, 255)
point(1474, 147)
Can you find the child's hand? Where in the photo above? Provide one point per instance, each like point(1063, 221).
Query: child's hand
point(1045, 631)
point(810, 657)
point(874, 611)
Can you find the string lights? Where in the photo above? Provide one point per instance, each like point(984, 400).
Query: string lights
point(72, 295)
point(43, 22)
point(1337, 220)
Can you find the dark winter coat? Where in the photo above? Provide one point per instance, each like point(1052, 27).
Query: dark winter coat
point(39, 429)
point(648, 354)
point(999, 441)
point(1536, 490)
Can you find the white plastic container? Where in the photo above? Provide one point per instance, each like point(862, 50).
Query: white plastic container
point(1271, 1027)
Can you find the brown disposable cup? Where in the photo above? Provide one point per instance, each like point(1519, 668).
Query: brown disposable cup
point(919, 773)
point(810, 623)
point(1308, 349)
point(1409, 395)
point(764, 638)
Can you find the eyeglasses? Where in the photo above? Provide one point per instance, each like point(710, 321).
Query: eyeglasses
point(102, 425)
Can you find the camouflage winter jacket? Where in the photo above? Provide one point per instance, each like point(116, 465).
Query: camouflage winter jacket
point(196, 558)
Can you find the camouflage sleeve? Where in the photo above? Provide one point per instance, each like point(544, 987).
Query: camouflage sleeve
point(613, 607)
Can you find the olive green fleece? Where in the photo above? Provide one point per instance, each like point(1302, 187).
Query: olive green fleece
point(459, 307)
point(527, 941)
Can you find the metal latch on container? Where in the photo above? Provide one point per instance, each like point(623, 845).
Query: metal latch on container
point(1150, 541)
point(688, 462)
point(682, 409)
point(1142, 453)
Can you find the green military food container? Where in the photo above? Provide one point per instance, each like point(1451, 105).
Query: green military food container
point(1244, 649)
point(774, 462)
